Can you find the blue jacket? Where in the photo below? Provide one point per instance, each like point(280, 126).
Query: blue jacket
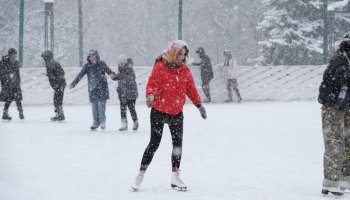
point(97, 80)
point(127, 87)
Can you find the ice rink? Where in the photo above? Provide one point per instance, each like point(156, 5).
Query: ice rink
point(252, 150)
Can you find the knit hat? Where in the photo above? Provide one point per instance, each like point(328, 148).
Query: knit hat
point(12, 51)
point(93, 53)
point(200, 51)
point(122, 59)
point(47, 55)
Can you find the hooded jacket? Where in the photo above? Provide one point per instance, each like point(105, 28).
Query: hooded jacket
point(54, 71)
point(10, 80)
point(230, 68)
point(335, 77)
point(206, 68)
point(127, 87)
point(97, 80)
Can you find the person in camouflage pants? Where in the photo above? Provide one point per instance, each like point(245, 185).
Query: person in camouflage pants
point(336, 135)
point(335, 99)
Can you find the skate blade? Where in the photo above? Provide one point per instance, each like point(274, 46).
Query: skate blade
point(58, 121)
point(134, 189)
point(181, 189)
point(337, 194)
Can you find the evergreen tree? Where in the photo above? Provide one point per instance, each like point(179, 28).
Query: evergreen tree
point(339, 22)
point(292, 33)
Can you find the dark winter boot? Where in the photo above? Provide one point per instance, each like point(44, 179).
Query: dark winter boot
point(136, 125)
point(93, 127)
point(21, 116)
point(55, 117)
point(6, 116)
point(124, 125)
point(208, 100)
point(59, 115)
point(230, 97)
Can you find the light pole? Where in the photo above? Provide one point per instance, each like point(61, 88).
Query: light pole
point(325, 31)
point(179, 34)
point(49, 13)
point(80, 31)
point(21, 24)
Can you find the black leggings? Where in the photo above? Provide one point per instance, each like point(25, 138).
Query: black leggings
point(131, 105)
point(175, 123)
point(18, 103)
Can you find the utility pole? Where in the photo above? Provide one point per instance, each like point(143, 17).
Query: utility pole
point(80, 32)
point(179, 35)
point(49, 12)
point(325, 31)
point(21, 24)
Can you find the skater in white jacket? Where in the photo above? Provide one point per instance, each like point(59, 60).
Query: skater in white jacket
point(230, 74)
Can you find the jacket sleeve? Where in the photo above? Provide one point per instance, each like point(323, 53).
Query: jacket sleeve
point(106, 69)
point(18, 65)
point(79, 76)
point(132, 74)
point(154, 81)
point(191, 90)
point(117, 77)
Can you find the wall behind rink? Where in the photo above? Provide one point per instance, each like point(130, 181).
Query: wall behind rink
point(256, 83)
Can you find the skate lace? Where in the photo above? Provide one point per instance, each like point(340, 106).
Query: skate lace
point(177, 176)
point(139, 178)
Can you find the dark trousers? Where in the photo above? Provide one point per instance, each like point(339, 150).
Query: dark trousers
point(18, 103)
point(206, 89)
point(58, 97)
point(175, 123)
point(232, 85)
point(124, 106)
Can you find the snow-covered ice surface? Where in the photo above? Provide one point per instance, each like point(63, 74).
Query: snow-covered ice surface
point(253, 150)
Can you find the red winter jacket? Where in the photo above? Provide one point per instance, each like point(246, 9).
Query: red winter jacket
point(170, 87)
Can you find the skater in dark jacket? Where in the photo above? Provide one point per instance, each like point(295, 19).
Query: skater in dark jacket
point(206, 72)
point(169, 84)
point(55, 74)
point(11, 83)
point(127, 91)
point(96, 71)
point(334, 95)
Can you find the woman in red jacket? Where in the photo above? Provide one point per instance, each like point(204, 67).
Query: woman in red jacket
point(169, 84)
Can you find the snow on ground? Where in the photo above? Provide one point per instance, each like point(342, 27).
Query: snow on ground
point(253, 150)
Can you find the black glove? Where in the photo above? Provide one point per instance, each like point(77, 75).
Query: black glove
point(202, 111)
